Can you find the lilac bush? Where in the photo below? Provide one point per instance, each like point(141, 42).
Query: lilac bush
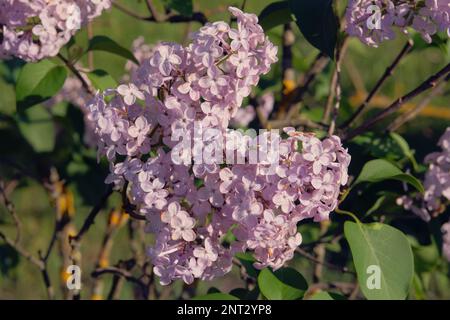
point(34, 30)
point(205, 82)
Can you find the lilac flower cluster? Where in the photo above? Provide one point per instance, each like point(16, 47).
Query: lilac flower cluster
point(437, 189)
point(33, 30)
point(375, 26)
point(192, 208)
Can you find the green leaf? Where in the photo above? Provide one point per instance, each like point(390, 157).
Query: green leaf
point(38, 82)
point(385, 248)
point(184, 7)
point(380, 169)
point(275, 14)
point(101, 80)
point(37, 127)
point(283, 284)
point(317, 22)
point(216, 296)
point(103, 43)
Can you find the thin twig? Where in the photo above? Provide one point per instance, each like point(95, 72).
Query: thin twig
point(22, 251)
point(335, 81)
point(38, 262)
point(127, 275)
point(94, 212)
point(424, 86)
point(171, 18)
point(12, 211)
point(387, 73)
point(340, 52)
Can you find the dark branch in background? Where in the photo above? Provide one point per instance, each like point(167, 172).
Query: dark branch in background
point(389, 71)
point(340, 53)
point(427, 84)
point(76, 73)
point(324, 263)
point(40, 262)
point(157, 17)
point(122, 270)
point(287, 72)
point(115, 221)
point(401, 120)
point(12, 211)
point(94, 212)
point(335, 81)
point(75, 253)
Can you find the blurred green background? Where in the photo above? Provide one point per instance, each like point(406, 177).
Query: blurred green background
point(77, 165)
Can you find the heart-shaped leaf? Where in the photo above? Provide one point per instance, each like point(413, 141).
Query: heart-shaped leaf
point(383, 260)
point(380, 169)
point(283, 284)
point(101, 79)
point(37, 127)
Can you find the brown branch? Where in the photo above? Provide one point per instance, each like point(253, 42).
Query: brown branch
point(297, 94)
point(171, 18)
point(152, 9)
point(124, 273)
point(94, 212)
point(115, 221)
point(320, 62)
point(387, 73)
point(38, 262)
point(22, 251)
point(424, 86)
point(295, 122)
point(77, 74)
point(335, 81)
point(12, 211)
point(340, 52)
point(287, 71)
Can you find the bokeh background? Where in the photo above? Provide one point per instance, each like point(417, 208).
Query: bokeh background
point(61, 128)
